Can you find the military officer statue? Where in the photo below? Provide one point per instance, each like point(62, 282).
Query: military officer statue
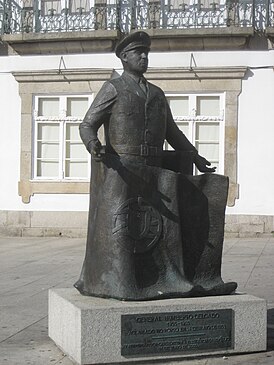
point(153, 232)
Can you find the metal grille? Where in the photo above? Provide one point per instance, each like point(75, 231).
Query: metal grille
point(24, 16)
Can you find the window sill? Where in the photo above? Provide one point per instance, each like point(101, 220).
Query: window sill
point(28, 188)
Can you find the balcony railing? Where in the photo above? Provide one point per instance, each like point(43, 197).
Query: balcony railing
point(44, 16)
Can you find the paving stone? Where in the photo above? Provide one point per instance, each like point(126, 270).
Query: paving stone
point(31, 346)
point(31, 265)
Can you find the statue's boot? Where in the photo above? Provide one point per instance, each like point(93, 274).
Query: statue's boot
point(219, 289)
point(223, 289)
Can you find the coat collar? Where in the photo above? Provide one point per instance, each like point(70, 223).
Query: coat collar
point(133, 82)
point(133, 87)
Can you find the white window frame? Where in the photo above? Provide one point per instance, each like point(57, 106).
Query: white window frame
point(62, 120)
point(193, 118)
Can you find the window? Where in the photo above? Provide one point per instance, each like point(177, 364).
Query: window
point(183, 84)
point(56, 7)
point(59, 153)
point(49, 98)
point(80, 6)
point(201, 118)
point(51, 7)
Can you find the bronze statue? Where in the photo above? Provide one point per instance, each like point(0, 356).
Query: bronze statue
point(153, 232)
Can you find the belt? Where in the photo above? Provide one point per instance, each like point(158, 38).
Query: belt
point(143, 150)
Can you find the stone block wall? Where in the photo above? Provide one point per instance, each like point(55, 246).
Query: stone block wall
point(43, 224)
point(248, 225)
point(74, 224)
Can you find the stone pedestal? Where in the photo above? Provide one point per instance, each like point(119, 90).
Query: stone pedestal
point(104, 331)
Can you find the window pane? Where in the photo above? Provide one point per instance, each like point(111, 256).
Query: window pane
point(72, 132)
point(208, 105)
point(27, 3)
point(179, 106)
point(59, 151)
point(76, 169)
point(48, 107)
point(207, 132)
point(76, 150)
point(77, 107)
point(47, 150)
point(76, 5)
point(209, 151)
point(48, 132)
point(207, 4)
point(50, 7)
point(47, 168)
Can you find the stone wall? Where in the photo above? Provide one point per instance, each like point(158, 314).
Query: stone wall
point(43, 224)
point(249, 225)
point(74, 224)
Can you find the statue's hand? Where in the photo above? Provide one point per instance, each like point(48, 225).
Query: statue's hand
point(202, 163)
point(95, 149)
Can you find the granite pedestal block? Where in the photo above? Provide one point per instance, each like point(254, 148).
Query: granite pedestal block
point(105, 331)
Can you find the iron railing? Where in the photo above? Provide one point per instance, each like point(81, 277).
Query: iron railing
point(44, 16)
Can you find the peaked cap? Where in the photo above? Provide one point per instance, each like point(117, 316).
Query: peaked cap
point(132, 41)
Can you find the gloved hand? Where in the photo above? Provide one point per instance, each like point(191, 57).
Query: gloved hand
point(95, 149)
point(202, 163)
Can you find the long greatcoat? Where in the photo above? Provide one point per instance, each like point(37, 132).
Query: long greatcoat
point(152, 232)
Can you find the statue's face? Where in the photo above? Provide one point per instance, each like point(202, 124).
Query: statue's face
point(136, 60)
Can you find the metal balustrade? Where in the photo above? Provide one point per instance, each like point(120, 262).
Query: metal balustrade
point(44, 16)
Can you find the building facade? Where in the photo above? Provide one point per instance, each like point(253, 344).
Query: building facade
point(214, 61)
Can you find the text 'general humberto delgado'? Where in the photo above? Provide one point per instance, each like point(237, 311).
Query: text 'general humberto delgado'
point(157, 333)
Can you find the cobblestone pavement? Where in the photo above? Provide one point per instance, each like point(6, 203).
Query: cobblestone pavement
point(30, 266)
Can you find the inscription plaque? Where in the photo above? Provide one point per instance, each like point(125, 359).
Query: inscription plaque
point(176, 332)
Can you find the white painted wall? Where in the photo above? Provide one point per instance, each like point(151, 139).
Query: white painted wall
point(10, 109)
point(256, 144)
point(255, 138)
